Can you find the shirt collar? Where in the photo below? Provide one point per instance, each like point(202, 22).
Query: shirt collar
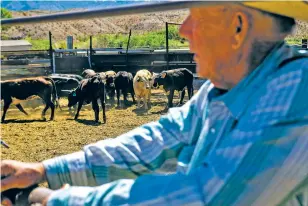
point(237, 97)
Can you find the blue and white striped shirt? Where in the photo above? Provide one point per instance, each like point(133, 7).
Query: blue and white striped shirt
point(247, 146)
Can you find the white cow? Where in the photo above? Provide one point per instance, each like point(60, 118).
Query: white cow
point(142, 87)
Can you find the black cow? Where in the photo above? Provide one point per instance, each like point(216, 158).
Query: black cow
point(124, 82)
point(176, 79)
point(26, 88)
point(64, 84)
point(74, 76)
point(88, 91)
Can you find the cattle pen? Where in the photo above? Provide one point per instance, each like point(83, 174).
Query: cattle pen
point(33, 139)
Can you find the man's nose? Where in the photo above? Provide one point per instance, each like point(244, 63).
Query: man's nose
point(185, 30)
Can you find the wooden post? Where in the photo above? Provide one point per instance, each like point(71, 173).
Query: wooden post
point(130, 33)
point(167, 46)
point(51, 52)
point(91, 52)
point(91, 48)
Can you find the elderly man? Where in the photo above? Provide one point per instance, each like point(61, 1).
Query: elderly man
point(241, 140)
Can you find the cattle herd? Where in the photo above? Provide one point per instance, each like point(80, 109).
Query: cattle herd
point(89, 87)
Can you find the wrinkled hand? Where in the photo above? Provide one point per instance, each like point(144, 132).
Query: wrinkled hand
point(20, 175)
point(40, 195)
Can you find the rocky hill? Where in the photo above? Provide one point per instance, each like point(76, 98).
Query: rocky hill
point(112, 25)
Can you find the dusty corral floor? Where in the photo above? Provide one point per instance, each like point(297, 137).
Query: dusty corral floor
point(32, 139)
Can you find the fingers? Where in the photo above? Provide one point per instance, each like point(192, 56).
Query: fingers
point(20, 175)
point(8, 183)
point(39, 195)
point(6, 202)
point(7, 173)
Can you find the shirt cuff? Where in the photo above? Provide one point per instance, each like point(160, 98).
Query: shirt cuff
point(71, 169)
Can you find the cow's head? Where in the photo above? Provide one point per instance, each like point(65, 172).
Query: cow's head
point(72, 98)
point(110, 81)
point(159, 79)
point(146, 80)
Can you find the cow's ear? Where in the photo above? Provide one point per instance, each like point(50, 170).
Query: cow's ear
point(163, 75)
point(138, 79)
point(74, 94)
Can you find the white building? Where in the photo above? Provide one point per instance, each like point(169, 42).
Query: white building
point(15, 45)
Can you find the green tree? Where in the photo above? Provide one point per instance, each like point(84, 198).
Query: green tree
point(5, 14)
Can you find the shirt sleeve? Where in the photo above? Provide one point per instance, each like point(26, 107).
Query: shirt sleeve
point(259, 170)
point(150, 147)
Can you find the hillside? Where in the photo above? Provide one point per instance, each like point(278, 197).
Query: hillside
point(113, 25)
point(29, 5)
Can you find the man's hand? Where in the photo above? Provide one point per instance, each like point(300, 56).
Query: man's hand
point(40, 195)
point(20, 174)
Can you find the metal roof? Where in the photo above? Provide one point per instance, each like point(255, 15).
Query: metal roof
point(8, 43)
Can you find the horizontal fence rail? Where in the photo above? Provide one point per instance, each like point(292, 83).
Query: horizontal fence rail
point(108, 12)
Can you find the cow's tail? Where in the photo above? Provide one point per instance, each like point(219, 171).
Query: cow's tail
point(55, 97)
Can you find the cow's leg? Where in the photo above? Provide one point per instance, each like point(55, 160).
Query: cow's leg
point(47, 98)
point(6, 106)
point(71, 112)
point(125, 97)
point(21, 109)
point(44, 111)
point(112, 99)
point(190, 91)
point(149, 99)
point(95, 107)
point(138, 101)
point(80, 103)
point(133, 96)
point(104, 109)
point(182, 96)
point(170, 98)
point(145, 102)
point(52, 107)
point(118, 97)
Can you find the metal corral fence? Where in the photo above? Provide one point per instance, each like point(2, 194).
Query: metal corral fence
point(99, 59)
point(19, 64)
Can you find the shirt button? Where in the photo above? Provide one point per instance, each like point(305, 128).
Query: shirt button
point(212, 130)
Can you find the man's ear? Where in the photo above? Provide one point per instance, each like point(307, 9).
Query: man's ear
point(163, 74)
point(239, 28)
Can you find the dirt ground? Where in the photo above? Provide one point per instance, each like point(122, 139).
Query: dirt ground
point(32, 139)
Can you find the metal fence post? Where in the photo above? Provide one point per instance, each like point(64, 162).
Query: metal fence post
point(91, 52)
point(167, 46)
point(126, 60)
point(51, 52)
point(54, 62)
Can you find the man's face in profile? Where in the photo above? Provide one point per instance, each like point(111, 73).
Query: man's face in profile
point(212, 34)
